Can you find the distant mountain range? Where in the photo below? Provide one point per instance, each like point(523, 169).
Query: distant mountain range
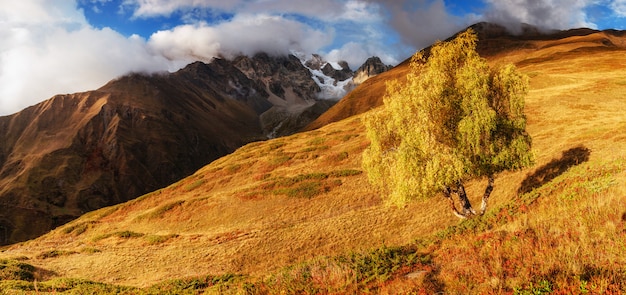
point(78, 152)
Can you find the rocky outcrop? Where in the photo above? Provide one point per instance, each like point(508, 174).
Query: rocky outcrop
point(281, 76)
point(341, 72)
point(372, 67)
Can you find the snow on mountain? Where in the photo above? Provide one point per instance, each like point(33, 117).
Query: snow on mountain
point(332, 87)
point(335, 65)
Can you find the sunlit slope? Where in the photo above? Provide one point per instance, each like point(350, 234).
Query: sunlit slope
point(272, 204)
point(563, 229)
point(495, 44)
point(267, 205)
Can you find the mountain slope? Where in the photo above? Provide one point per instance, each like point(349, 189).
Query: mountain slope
point(495, 43)
point(282, 202)
point(79, 152)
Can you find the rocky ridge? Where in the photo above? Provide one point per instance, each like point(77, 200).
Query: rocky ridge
point(372, 67)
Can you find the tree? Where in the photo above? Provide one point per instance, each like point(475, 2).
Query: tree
point(455, 119)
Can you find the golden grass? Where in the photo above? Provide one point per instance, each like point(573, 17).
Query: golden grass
point(236, 215)
point(268, 205)
point(569, 239)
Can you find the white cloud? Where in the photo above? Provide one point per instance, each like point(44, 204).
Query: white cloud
point(321, 9)
point(546, 14)
point(419, 23)
point(150, 8)
point(244, 34)
point(187, 42)
point(30, 12)
point(619, 7)
point(48, 49)
point(361, 11)
point(356, 53)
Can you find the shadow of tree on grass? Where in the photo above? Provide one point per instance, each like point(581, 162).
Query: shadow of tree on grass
point(556, 167)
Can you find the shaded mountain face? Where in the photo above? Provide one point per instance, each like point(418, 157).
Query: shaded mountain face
point(292, 91)
point(79, 152)
point(300, 88)
point(372, 67)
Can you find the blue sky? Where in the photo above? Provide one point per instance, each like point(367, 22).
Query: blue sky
point(64, 46)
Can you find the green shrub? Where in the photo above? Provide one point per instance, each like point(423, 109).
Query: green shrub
point(77, 229)
point(355, 273)
point(194, 185)
point(128, 234)
point(317, 141)
point(121, 234)
point(7, 285)
point(276, 145)
point(234, 168)
point(346, 172)
point(90, 250)
point(15, 270)
point(158, 239)
point(280, 159)
point(55, 253)
point(81, 286)
point(193, 285)
point(542, 287)
point(380, 264)
point(304, 190)
point(338, 157)
point(158, 212)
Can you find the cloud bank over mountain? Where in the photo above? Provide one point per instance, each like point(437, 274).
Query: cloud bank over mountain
point(245, 34)
point(65, 46)
point(547, 14)
point(49, 48)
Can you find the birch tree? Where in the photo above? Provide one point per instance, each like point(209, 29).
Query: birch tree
point(454, 120)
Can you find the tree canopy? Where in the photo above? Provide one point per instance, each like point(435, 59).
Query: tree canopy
point(454, 119)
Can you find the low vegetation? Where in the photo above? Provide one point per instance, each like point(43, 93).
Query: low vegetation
point(11, 269)
point(158, 239)
point(120, 234)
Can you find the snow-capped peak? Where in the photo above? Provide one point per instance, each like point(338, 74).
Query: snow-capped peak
point(331, 87)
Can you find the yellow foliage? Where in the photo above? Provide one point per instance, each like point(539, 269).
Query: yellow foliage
point(454, 118)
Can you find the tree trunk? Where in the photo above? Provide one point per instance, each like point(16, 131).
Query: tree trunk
point(488, 190)
point(447, 192)
point(465, 202)
point(466, 205)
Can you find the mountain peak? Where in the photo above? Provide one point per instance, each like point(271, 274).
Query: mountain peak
point(372, 67)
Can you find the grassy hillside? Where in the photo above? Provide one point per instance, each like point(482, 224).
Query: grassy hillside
point(362, 99)
point(297, 215)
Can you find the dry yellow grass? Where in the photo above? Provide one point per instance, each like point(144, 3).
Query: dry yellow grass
point(570, 238)
point(231, 217)
point(275, 203)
